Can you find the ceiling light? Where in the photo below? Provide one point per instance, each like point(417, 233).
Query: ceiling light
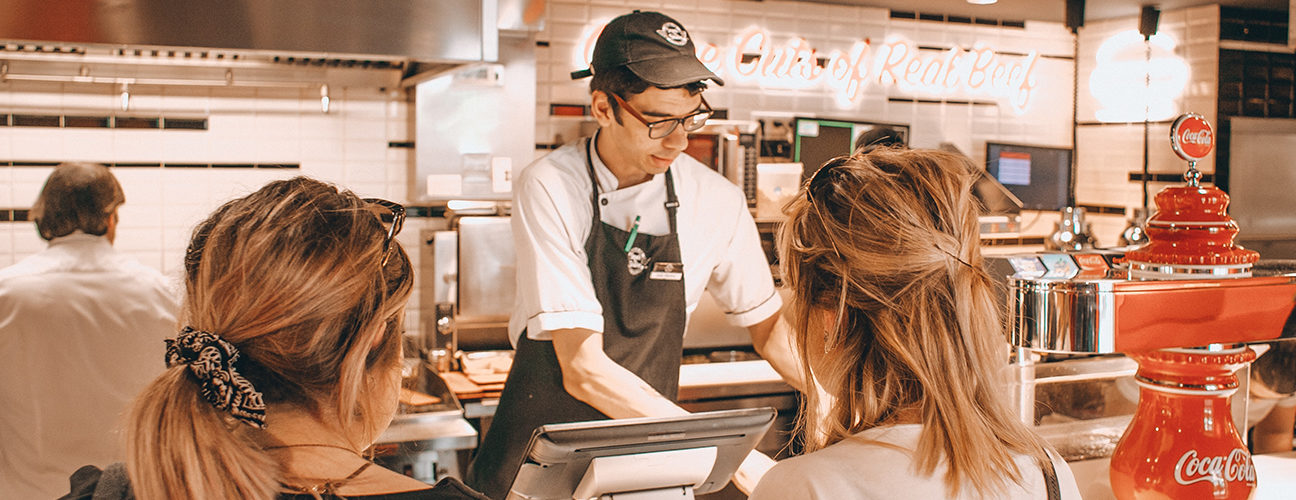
point(982, 2)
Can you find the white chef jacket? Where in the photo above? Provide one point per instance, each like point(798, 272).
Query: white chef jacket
point(81, 332)
point(857, 468)
point(551, 220)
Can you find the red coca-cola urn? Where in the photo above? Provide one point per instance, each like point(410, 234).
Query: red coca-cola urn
point(1182, 443)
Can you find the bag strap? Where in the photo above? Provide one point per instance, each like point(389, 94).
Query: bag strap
point(1050, 477)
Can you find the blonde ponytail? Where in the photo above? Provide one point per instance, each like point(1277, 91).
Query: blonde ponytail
point(182, 447)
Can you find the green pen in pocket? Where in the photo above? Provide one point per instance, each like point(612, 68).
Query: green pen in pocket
point(634, 233)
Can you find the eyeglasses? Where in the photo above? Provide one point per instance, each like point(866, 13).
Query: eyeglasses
point(392, 217)
point(662, 128)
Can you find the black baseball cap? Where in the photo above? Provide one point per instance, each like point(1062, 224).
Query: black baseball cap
point(651, 45)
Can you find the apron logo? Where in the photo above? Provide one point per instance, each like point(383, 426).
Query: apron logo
point(636, 260)
point(673, 34)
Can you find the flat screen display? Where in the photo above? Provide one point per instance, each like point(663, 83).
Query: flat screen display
point(1039, 176)
point(818, 140)
point(560, 455)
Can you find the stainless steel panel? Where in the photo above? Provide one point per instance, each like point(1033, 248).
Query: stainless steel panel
point(1260, 179)
point(1062, 316)
point(487, 269)
point(434, 30)
point(1080, 315)
point(476, 126)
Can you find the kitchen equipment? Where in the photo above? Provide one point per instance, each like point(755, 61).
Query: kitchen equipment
point(429, 431)
point(729, 147)
point(469, 286)
point(1071, 232)
point(267, 43)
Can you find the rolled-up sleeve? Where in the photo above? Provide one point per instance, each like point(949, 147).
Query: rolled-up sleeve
point(550, 225)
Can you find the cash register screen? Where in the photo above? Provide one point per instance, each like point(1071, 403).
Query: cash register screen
point(1039, 176)
point(559, 455)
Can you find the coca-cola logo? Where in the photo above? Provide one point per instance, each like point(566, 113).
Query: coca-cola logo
point(1234, 467)
point(1191, 137)
point(1198, 137)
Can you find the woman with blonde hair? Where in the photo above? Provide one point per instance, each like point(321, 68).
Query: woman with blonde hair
point(897, 322)
point(288, 363)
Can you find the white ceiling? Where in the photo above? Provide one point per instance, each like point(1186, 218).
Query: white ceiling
point(1049, 10)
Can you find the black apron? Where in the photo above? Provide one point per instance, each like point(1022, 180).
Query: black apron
point(642, 294)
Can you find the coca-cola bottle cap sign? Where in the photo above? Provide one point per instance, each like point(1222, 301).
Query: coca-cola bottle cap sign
point(1191, 137)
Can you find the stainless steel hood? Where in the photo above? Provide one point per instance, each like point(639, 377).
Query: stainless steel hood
point(249, 42)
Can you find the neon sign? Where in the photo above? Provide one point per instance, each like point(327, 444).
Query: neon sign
point(1132, 84)
point(755, 59)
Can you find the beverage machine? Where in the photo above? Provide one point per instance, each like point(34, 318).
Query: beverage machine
point(1184, 306)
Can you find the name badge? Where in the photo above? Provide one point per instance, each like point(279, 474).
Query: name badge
point(667, 271)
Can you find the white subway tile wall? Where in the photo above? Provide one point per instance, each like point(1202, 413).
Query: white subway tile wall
point(1107, 154)
point(348, 146)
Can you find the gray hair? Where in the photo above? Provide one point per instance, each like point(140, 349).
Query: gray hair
point(77, 196)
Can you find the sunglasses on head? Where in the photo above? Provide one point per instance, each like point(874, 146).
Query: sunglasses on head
point(392, 217)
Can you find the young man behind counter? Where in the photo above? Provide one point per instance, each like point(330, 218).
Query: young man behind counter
point(617, 238)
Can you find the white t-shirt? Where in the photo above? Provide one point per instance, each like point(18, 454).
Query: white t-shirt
point(551, 220)
point(860, 470)
point(81, 332)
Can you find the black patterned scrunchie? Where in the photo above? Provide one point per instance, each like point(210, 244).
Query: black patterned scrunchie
point(211, 360)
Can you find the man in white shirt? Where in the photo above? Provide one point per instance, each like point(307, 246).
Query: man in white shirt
point(81, 331)
point(617, 238)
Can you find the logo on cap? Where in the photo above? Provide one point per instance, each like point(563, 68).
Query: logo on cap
point(673, 34)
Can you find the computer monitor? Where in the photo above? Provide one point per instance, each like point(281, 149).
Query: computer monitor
point(817, 140)
point(1039, 176)
point(692, 454)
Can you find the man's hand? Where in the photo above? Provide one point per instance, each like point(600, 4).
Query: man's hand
point(751, 471)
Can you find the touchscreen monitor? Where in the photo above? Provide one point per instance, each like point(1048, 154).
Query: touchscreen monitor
point(699, 451)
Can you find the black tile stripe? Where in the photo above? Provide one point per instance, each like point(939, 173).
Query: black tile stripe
point(401, 144)
point(1024, 240)
point(944, 101)
point(1102, 209)
point(13, 214)
point(1123, 124)
point(943, 18)
point(423, 211)
point(415, 211)
point(67, 121)
point(280, 166)
point(184, 123)
point(85, 121)
point(1173, 177)
point(133, 122)
point(37, 121)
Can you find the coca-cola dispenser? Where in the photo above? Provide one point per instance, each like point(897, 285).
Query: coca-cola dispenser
point(1184, 306)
